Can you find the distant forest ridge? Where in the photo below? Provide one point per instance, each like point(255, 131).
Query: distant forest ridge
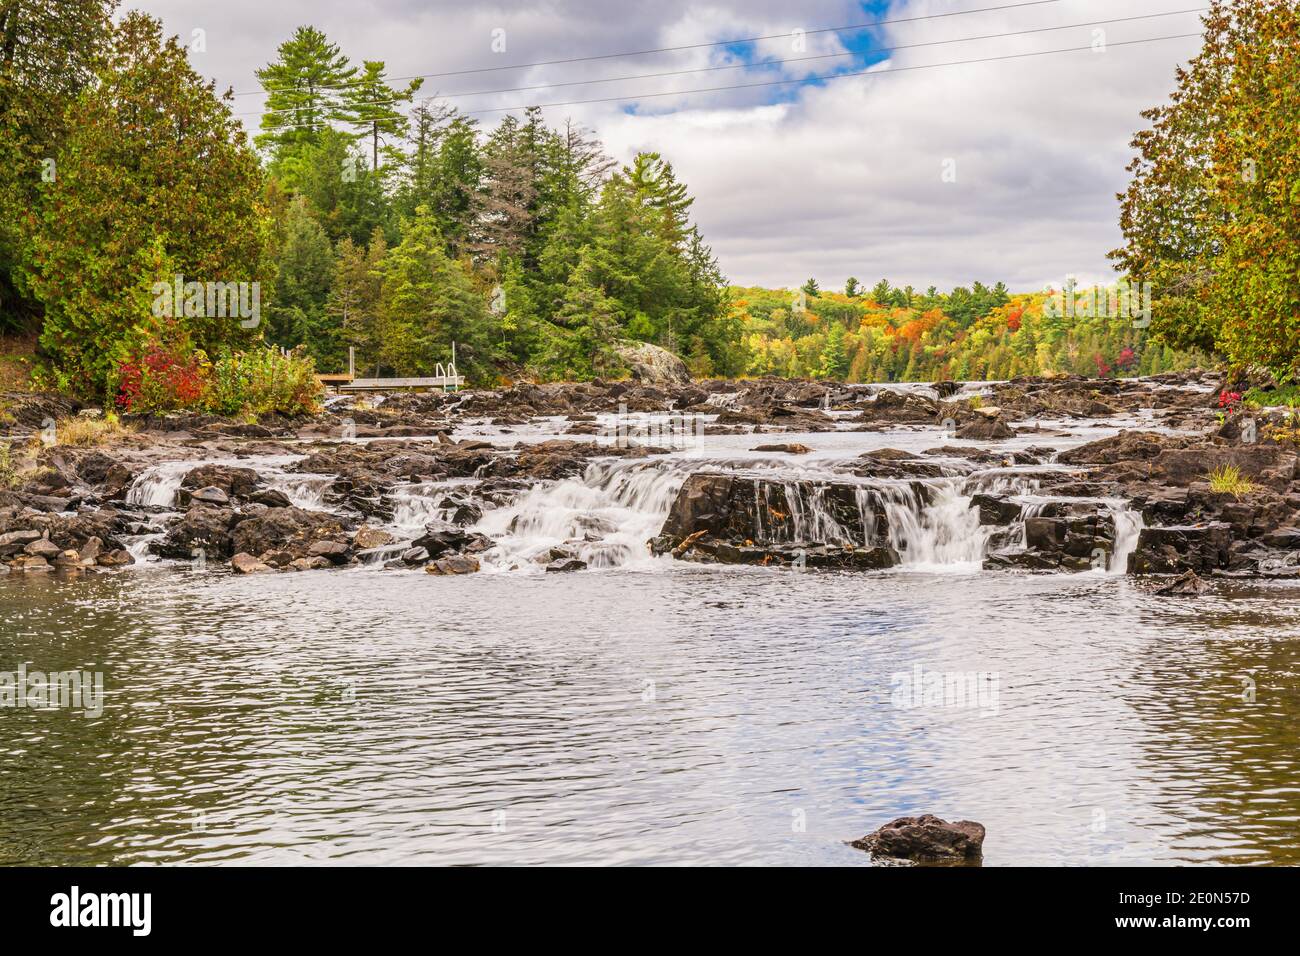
point(888, 334)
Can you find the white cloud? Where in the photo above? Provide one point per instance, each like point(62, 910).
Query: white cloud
point(845, 179)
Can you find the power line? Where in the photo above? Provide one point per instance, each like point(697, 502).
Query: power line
point(831, 76)
point(690, 46)
point(743, 66)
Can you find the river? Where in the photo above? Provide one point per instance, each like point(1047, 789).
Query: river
point(648, 711)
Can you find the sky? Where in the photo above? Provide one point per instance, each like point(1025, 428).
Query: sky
point(920, 170)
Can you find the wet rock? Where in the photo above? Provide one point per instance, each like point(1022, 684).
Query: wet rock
point(243, 563)
point(994, 510)
point(438, 540)
point(1173, 550)
point(89, 553)
point(414, 556)
point(118, 558)
point(1045, 534)
point(793, 448)
point(287, 529)
point(985, 428)
point(29, 562)
point(369, 537)
point(926, 839)
point(1188, 583)
point(567, 564)
point(314, 563)
point(742, 520)
point(453, 564)
point(201, 529)
point(334, 552)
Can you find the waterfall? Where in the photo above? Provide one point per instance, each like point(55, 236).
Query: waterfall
point(605, 518)
point(156, 487)
point(1128, 525)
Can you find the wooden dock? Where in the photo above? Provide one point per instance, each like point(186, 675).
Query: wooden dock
point(445, 378)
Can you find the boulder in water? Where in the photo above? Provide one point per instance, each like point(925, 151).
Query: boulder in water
point(1186, 584)
point(926, 839)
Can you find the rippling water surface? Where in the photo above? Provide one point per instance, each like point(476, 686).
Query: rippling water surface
point(673, 714)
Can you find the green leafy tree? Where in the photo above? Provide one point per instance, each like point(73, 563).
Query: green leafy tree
point(119, 194)
point(48, 55)
point(304, 272)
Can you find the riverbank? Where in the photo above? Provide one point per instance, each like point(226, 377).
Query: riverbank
point(1065, 475)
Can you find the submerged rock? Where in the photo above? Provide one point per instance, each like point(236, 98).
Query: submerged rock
point(926, 839)
point(1187, 583)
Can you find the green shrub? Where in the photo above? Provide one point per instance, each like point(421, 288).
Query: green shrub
point(263, 382)
point(1287, 395)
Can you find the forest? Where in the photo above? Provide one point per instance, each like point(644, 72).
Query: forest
point(372, 220)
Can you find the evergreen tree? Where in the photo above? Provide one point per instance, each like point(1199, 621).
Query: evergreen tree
point(118, 194)
point(370, 105)
point(305, 88)
point(305, 270)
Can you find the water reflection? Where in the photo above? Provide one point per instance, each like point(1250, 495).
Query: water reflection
point(676, 715)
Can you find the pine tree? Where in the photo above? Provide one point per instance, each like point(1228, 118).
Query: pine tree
point(305, 91)
point(304, 272)
point(370, 105)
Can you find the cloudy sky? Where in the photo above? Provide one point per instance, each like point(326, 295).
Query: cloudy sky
point(917, 169)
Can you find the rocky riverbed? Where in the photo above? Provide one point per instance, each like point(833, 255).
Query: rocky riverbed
point(1033, 475)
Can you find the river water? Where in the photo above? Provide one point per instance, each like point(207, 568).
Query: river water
point(650, 711)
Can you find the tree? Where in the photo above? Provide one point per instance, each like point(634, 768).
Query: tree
point(48, 55)
point(347, 196)
point(119, 194)
point(354, 298)
point(426, 302)
point(305, 93)
point(1168, 213)
point(371, 106)
point(304, 272)
point(835, 357)
point(1254, 299)
point(852, 288)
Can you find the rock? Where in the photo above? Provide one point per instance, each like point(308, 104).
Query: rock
point(15, 541)
point(994, 510)
point(43, 548)
point(793, 448)
point(271, 497)
point(1045, 534)
point(1173, 550)
point(567, 564)
point(369, 537)
point(89, 553)
point(334, 552)
point(439, 540)
point(982, 428)
point(29, 562)
point(455, 564)
point(201, 528)
point(286, 529)
point(926, 839)
point(1126, 446)
point(211, 495)
point(317, 563)
point(243, 563)
point(118, 558)
point(1187, 583)
point(652, 364)
point(235, 482)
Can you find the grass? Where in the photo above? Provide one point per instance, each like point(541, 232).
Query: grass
point(87, 432)
point(8, 472)
point(1228, 480)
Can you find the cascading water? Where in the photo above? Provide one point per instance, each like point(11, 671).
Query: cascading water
point(605, 518)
